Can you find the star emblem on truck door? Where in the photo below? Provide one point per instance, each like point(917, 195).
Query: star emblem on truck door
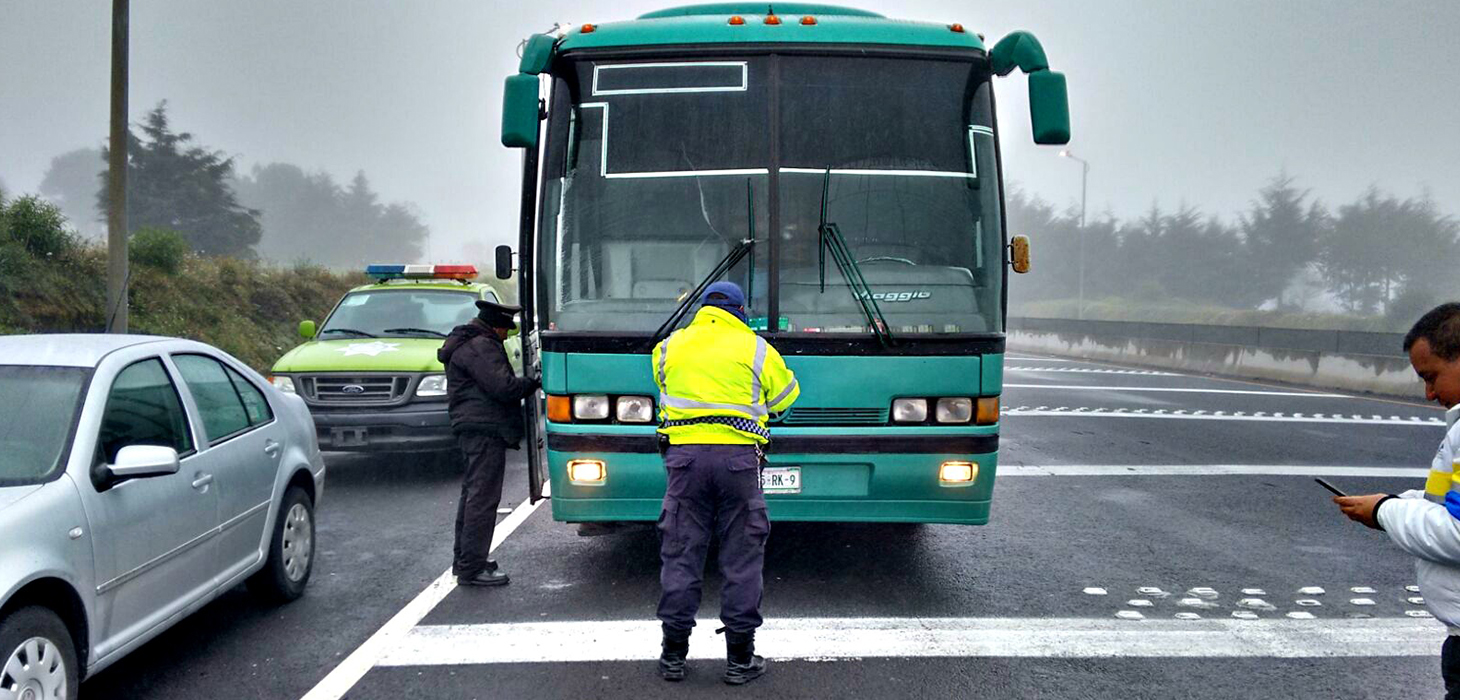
point(371, 349)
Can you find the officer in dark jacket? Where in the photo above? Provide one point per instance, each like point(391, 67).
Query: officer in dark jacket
point(486, 415)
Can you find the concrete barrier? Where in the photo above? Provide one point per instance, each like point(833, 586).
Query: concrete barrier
point(1343, 360)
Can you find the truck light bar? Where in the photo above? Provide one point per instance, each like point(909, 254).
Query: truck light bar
point(440, 272)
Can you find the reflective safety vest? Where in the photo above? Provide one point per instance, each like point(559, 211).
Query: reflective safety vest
point(719, 381)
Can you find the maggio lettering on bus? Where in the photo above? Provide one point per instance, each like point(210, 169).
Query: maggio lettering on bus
point(899, 296)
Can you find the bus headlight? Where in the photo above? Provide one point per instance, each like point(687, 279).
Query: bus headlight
point(909, 410)
point(432, 385)
point(635, 409)
point(587, 471)
point(284, 384)
point(590, 407)
point(958, 410)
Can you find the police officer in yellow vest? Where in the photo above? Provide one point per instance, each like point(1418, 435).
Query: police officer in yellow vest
point(718, 381)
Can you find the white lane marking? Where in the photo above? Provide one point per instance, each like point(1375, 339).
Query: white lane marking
point(1043, 359)
point(359, 662)
point(1258, 416)
point(1245, 392)
point(1205, 470)
point(1093, 370)
point(856, 638)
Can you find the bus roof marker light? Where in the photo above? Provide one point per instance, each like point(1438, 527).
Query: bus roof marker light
point(808, 20)
point(956, 28)
point(772, 19)
point(736, 21)
point(589, 28)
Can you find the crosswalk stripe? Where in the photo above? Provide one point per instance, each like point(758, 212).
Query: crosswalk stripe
point(1257, 416)
point(856, 638)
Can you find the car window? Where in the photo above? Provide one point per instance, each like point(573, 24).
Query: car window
point(36, 419)
point(218, 402)
point(143, 408)
point(254, 403)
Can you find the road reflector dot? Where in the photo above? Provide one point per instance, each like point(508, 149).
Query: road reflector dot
point(1416, 600)
point(1130, 615)
point(1187, 616)
point(1311, 590)
point(1362, 601)
point(1300, 615)
point(1094, 591)
point(1244, 614)
point(1418, 613)
point(1308, 602)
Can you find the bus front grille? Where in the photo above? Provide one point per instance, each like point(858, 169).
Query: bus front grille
point(835, 416)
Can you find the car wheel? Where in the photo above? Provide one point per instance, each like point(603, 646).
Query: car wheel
point(37, 656)
point(291, 550)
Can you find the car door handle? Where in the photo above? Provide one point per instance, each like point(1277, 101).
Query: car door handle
point(271, 448)
point(202, 481)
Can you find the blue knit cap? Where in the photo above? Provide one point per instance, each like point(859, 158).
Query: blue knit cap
point(732, 298)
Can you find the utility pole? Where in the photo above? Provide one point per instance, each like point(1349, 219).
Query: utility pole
point(116, 188)
point(1084, 179)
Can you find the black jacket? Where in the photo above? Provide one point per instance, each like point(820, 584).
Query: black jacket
point(485, 395)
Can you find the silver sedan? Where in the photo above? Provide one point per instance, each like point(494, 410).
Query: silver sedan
point(140, 477)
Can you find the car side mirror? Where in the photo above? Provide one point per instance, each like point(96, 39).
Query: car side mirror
point(140, 461)
point(1019, 254)
point(504, 262)
point(307, 329)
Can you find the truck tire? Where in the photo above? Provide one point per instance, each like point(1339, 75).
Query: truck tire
point(38, 655)
point(291, 550)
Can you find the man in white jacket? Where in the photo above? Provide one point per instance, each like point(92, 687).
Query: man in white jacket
point(1427, 523)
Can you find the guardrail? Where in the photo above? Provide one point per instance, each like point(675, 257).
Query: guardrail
point(1347, 360)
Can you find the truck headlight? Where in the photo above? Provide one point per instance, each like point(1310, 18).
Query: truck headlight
point(590, 407)
point(284, 384)
point(635, 409)
point(431, 385)
point(958, 410)
point(909, 410)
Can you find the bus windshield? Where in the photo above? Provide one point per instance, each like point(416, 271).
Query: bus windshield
point(655, 169)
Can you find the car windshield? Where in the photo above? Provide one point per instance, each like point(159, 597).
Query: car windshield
point(395, 313)
point(36, 419)
point(656, 169)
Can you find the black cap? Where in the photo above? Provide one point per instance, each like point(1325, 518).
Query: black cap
point(497, 315)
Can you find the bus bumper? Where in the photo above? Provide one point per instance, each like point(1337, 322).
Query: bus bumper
point(865, 479)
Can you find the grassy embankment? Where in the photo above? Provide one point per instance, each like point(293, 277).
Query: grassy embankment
point(250, 310)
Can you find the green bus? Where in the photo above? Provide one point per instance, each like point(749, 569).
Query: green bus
point(843, 168)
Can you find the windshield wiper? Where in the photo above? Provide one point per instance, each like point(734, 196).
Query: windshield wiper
point(352, 331)
point(829, 237)
point(726, 263)
point(735, 255)
point(438, 334)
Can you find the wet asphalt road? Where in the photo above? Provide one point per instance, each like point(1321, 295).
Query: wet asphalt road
point(384, 535)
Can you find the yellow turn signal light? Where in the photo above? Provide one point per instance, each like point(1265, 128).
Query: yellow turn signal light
point(587, 471)
point(986, 411)
point(559, 409)
point(957, 473)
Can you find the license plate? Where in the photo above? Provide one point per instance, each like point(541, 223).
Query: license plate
point(780, 480)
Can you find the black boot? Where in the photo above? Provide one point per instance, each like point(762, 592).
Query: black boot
point(671, 660)
point(741, 664)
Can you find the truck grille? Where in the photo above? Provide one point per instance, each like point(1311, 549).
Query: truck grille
point(354, 390)
point(835, 416)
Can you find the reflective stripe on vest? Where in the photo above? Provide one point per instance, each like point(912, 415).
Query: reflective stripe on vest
point(1440, 483)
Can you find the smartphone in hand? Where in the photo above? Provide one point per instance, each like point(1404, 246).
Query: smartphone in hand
point(1324, 483)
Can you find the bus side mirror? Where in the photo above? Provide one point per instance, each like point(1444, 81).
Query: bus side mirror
point(1049, 108)
point(307, 330)
point(504, 262)
point(1019, 254)
point(520, 112)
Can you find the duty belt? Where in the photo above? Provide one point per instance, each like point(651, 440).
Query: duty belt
point(742, 424)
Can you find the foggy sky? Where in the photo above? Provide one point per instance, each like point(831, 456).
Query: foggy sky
point(1196, 102)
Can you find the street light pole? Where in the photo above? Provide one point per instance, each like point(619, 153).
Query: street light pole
point(116, 187)
point(1084, 181)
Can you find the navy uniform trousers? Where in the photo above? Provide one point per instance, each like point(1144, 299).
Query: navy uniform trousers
point(481, 493)
point(713, 490)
